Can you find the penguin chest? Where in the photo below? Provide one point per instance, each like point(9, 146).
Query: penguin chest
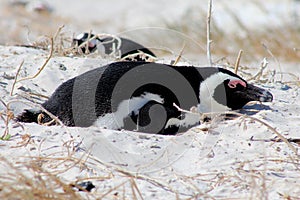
point(149, 113)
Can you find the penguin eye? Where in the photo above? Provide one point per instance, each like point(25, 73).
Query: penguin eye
point(92, 43)
point(236, 84)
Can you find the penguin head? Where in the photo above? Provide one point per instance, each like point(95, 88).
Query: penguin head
point(224, 90)
point(83, 37)
point(239, 94)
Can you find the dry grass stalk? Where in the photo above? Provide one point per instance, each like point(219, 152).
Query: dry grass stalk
point(55, 38)
point(53, 117)
point(199, 194)
point(263, 66)
point(38, 95)
point(114, 38)
point(182, 110)
point(257, 179)
point(264, 191)
point(9, 115)
point(132, 190)
point(133, 183)
point(282, 40)
point(43, 66)
point(32, 183)
point(275, 59)
point(58, 32)
point(272, 129)
point(26, 139)
point(116, 46)
point(135, 175)
point(180, 55)
point(86, 44)
point(237, 62)
point(115, 41)
point(66, 162)
point(208, 33)
point(140, 54)
point(16, 76)
point(36, 105)
point(147, 179)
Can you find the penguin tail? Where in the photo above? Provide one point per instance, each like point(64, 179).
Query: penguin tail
point(29, 116)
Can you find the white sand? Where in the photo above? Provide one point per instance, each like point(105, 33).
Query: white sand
point(234, 159)
point(219, 163)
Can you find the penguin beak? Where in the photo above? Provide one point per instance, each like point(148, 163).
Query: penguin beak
point(253, 93)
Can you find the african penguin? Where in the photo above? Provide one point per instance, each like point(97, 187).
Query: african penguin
point(108, 45)
point(141, 96)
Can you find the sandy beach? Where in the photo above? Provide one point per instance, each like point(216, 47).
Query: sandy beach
point(255, 155)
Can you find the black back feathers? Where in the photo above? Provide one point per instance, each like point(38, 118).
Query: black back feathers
point(141, 96)
point(112, 45)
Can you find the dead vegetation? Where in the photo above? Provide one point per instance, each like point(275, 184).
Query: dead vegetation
point(31, 181)
point(39, 177)
point(282, 40)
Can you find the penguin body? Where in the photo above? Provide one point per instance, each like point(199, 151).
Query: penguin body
point(117, 46)
point(142, 96)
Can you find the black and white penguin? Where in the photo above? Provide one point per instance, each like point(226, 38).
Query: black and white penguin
point(141, 96)
point(118, 46)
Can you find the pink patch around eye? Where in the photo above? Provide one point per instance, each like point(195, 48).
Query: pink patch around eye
point(234, 83)
point(92, 43)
